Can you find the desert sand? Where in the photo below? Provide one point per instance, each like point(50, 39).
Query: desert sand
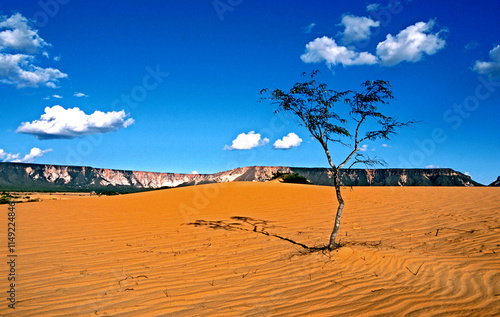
point(213, 250)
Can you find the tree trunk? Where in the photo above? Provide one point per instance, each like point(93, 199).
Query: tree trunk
point(336, 226)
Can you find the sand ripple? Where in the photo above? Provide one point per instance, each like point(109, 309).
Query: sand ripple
point(407, 252)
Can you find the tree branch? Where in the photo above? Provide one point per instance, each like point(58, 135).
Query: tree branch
point(362, 159)
point(356, 143)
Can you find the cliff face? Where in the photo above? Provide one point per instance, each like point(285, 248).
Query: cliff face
point(24, 176)
point(495, 183)
point(390, 177)
point(19, 176)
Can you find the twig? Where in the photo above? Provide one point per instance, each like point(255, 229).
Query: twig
point(417, 269)
point(131, 277)
point(378, 289)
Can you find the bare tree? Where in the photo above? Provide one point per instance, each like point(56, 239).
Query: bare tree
point(313, 104)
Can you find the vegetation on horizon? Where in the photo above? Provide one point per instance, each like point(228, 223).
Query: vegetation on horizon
point(290, 178)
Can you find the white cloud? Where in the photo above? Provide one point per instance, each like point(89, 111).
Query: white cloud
point(18, 46)
point(432, 166)
point(289, 141)
point(247, 141)
point(357, 28)
point(17, 35)
point(11, 157)
point(410, 44)
point(325, 49)
point(363, 148)
point(79, 94)
point(57, 96)
point(492, 67)
point(34, 154)
point(194, 172)
point(393, 6)
point(372, 7)
point(468, 174)
point(60, 123)
point(7, 157)
point(309, 28)
point(17, 69)
point(385, 145)
point(28, 158)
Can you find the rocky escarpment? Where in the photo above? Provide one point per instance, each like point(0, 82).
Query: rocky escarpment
point(495, 183)
point(20, 176)
point(389, 177)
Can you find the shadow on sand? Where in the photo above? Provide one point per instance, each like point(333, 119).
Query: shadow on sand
point(252, 225)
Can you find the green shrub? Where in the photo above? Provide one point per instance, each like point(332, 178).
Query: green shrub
point(290, 178)
point(107, 193)
point(4, 200)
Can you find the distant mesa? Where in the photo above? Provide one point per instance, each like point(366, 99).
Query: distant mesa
point(39, 177)
point(495, 183)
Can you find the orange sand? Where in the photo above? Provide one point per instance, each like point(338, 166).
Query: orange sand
point(135, 255)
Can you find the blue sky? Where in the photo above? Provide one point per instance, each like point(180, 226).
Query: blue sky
point(173, 86)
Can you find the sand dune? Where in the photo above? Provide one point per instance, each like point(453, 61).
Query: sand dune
point(203, 251)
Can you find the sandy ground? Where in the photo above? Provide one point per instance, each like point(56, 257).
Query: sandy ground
point(214, 250)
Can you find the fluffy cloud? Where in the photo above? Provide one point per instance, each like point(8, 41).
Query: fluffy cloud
point(18, 46)
point(28, 158)
point(16, 69)
point(60, 123)
point(357, 28)
point(410, 44)
point(8, 157)
point(17, 35)
point(33, 154)
point(247, 141)
point(492, 67)
point(325, 49)
point(289, 141)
